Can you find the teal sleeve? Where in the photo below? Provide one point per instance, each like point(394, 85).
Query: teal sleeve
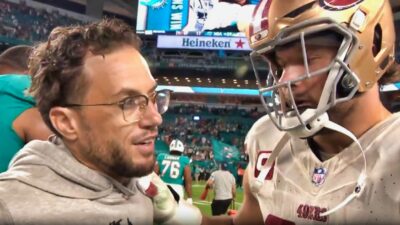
point(14, 101)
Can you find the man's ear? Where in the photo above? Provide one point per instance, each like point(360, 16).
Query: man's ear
point(64, 120)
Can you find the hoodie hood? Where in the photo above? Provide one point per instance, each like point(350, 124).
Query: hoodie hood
point(50, 166)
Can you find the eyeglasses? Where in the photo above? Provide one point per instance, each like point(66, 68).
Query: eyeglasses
point(133, 107)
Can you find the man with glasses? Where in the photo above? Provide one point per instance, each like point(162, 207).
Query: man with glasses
point(94, 90)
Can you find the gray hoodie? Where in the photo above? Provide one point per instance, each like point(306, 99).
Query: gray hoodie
point(45, 184)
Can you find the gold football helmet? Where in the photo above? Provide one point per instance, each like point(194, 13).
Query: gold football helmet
point(363, 31)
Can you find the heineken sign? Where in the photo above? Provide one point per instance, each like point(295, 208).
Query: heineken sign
point(203, 42)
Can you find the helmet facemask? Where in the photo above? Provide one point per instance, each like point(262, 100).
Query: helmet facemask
point(341, 83)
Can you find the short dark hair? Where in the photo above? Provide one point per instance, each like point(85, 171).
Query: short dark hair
point(56, 65)
point(16, 57)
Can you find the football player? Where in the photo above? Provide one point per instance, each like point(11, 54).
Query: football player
point(327, 152)
point(174, 169)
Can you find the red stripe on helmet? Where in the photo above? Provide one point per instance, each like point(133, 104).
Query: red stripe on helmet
point(256, 9)
point(341, 2)
point(338, 4)
point(260, 17)
point(265, 14)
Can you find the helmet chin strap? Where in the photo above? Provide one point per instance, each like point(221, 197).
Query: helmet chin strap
point(313, 127)
point(267, 166)
point(360, 185)
point(308, 129)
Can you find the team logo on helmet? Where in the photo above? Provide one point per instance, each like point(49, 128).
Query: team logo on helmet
point(337, 5)
point(259, 27)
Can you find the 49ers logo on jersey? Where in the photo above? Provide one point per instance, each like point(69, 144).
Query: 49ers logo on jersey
point(310, 212)
point(337, 5)
point(262, 158)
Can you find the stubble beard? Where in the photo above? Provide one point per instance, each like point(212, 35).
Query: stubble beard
point(114, 159)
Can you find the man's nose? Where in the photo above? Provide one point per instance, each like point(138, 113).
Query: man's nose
point(151, 116)
point(291, 73)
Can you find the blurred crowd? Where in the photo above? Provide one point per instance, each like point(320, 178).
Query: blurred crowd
point(20, 21)
point(195, 125)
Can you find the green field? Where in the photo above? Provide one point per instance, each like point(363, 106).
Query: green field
point(205, 206)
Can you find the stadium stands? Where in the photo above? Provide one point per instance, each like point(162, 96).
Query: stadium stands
point(28, 24)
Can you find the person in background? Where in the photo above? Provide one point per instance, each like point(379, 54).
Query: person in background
point(94, 90)
point(240, 173)
point(196, 173)
point(15, 60)
point(174, 169)
point(224, 185)
point(20, 120)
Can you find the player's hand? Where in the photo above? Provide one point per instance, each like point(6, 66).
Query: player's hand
point(166, 210)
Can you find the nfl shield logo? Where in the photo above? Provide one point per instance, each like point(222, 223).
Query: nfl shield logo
point(319, 175)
